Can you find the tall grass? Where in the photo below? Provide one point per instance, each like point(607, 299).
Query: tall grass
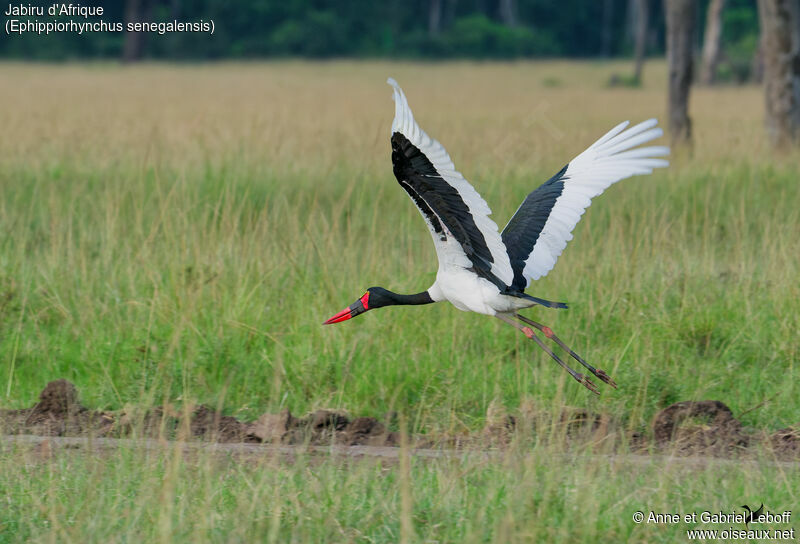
point(178, 234)
point(527, 495)
point(181, 232)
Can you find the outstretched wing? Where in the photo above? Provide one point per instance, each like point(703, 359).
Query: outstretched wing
point(457, 216)
point(541, 227)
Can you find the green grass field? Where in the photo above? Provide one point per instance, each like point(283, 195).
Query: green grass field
point(178, 234)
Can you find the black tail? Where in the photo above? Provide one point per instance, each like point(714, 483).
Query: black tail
point(545, 303)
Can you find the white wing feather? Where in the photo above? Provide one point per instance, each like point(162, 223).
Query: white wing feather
point(436, 153)
point(609, 160)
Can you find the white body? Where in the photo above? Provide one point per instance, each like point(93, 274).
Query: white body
point(469, 292)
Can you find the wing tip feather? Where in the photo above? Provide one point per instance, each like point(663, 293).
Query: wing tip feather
point(616, 155)
point(402, 112)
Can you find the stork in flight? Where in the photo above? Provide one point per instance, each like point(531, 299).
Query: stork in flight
point(481, 269)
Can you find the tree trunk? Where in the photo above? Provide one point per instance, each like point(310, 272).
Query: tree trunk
point(435, 17)
point(134, 41)
point(712, 41)
point(757, 65)
point(641, 8)
point(508, 12)
point(780, 30)
point(680, 15)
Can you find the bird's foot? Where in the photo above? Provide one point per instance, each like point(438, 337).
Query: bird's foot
point(586, 382)
point(603, 377)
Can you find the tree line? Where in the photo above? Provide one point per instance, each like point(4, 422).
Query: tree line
point(415, 29)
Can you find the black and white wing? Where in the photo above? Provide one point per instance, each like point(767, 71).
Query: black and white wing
point(457, 216)
point(541, 227)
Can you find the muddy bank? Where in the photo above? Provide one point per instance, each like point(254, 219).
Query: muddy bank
point(688, 428)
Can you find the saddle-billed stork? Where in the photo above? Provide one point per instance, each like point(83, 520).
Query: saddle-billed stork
point(481, 269)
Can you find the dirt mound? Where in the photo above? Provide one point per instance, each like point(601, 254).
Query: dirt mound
point(685, 428)
point(786, 442)
point(321, 427)
point(59, 413)
point(58, 397)
point(699, 427)
point(165, 422)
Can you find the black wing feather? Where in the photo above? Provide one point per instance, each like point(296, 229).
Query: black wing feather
point(441, 204)
point(522, 232)
point(422, 205)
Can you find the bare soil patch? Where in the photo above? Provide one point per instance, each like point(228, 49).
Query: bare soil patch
point(689, 428)
point(59, 413)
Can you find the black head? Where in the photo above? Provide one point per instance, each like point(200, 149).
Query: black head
point(375, 297)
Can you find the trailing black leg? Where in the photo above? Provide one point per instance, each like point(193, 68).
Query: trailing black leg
point(527, 331)
point(600, 374)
